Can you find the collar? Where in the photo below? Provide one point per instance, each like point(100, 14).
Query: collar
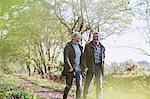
point(75, 43)
point(96, 44)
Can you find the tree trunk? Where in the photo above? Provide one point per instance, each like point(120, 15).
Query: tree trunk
point(40, 71)
point(28, 69)
point(42, 58)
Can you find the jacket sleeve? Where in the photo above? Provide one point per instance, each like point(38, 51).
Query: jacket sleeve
point(66, 58)
point(85, 52)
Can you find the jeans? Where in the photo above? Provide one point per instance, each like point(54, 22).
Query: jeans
point(88, 79)
point(69, 81)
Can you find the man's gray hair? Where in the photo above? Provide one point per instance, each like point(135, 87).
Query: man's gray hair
point(75, 33)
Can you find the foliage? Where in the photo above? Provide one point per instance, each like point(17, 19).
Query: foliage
point(34, 32)
point(33, 36)
point(49, 84)
point(121, 87)
point(128, 68)
point(10, 88)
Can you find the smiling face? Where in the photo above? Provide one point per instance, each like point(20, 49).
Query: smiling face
point(77, 38)
point(96, 37)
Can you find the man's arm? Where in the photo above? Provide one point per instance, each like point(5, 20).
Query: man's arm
point(66, 59)
point(85, 68)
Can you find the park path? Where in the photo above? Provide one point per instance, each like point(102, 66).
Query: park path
point(43, 93)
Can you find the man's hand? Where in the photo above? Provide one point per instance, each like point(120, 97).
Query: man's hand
point(84, 72)
point(70, 70)
point(86, 69)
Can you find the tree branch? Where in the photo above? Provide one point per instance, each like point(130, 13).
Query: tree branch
point(136, 48)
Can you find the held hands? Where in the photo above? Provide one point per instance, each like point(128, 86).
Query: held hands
point(84, 72)
point(70, 70)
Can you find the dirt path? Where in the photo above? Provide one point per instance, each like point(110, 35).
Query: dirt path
point(43, 93)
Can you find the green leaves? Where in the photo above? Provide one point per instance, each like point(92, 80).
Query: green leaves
point(10, 88)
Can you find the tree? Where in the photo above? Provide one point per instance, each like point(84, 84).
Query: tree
point(40, 34)
point(9, 47)
point(107, 16)
point(141, 11)
point(33, 32)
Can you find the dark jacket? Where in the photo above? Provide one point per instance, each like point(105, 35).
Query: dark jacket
point(89, 59)
point(69, 58)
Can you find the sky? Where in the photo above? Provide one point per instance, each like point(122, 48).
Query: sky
point(132, 38)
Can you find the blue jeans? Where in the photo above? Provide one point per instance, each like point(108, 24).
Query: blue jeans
point(69, 81)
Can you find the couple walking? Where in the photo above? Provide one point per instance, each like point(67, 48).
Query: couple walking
point(81, 64)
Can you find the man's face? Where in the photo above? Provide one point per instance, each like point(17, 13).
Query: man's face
point(96, 38)
point(77, 38)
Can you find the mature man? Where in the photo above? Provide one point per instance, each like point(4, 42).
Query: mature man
point(94, 55)
point(73, 68)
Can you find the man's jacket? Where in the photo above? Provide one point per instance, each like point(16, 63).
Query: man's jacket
point(69, 58)
point(89, 58)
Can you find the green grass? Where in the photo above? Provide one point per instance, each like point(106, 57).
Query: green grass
point(10, 88)
point(114, 87)
point(119, 87)
point(49, 84)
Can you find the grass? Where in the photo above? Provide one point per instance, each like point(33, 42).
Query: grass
point(118, 87)
point(11, 89)
point(49, 84)
point(114, 87)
